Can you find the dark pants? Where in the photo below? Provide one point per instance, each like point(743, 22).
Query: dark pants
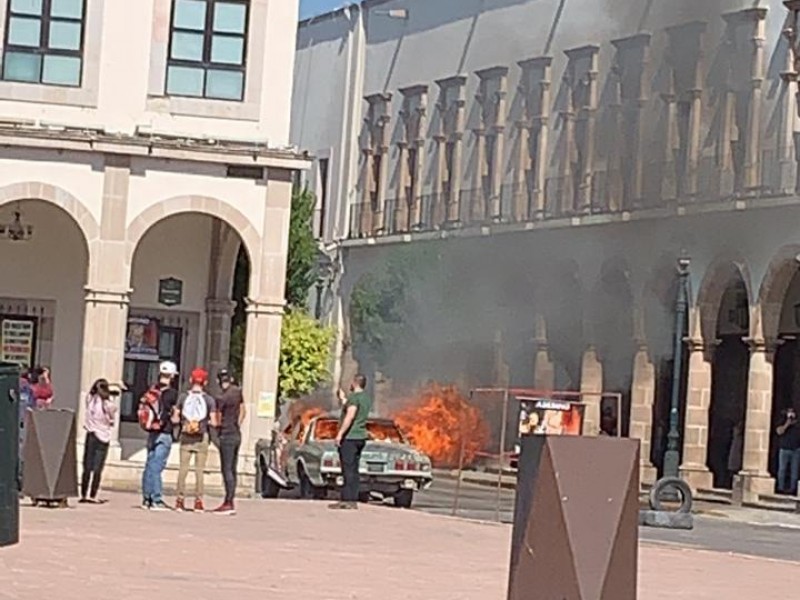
point(94, 459)
point(350, 456)
point(229, 455)
point(788, 471)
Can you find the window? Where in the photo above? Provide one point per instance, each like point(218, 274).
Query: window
point(44, 42)
point(207, 49)
point(323, 196)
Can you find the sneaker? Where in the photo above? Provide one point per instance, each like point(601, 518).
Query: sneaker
point(179, 505)
point(146, 505)
point(83, 501)
point(225, 509)
point(160, 506)
point(198, 505)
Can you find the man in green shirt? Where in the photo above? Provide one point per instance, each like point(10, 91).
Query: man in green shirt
point(352, 438)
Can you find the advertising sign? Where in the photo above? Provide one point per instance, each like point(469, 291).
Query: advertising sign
point(549, 416)
point(141, 341)
point(16, 342)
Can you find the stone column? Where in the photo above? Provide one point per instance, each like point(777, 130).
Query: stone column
point(365, 216)
point(108, 290)
point(669, 175)
point(592, 386)
point(103, 346)
point(752, 161)
point(418, 220)
point(698, 403)
point(643, 391)
point(457, 138)
point(401, 209)
point(219, 312)
point(498, 166)
point(544, 374)
point(265, 311)
point(477, 209)
point(754, 478)
point(785, 179)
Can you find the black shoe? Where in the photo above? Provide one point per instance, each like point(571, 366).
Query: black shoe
point(161, 506)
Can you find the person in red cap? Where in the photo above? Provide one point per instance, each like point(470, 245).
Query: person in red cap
point(196, 413)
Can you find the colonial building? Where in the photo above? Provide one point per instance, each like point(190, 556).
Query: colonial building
point(144, 144)
point(565, 155)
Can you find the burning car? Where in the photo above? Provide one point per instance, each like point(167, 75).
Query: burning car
point(305, 456)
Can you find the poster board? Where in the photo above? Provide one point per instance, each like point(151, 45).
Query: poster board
point(550, 416)
point(17, 340)
point(141, 339)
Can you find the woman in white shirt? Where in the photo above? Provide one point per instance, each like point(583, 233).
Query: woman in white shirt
point(99, 424)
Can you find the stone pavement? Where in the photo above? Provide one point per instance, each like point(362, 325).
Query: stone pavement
point(293, 549)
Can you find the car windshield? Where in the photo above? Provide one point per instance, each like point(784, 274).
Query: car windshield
point(378, 431)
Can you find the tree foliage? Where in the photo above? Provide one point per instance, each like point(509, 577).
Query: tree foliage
point(305, 354)
point(384, 302)
point(300, 268)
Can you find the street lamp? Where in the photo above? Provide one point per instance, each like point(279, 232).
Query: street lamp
point(672, 455)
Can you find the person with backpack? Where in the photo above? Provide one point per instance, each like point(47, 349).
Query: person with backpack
point(232, 413)
point(155, 414)
point(196, 414)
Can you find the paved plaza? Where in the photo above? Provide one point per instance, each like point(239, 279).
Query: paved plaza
point(297, 549)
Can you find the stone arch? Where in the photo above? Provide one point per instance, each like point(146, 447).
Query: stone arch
point(193, 204)
point(718, 277)
point(772, 293)
point(37, 190)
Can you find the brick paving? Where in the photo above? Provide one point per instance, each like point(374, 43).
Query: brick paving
point(298, 549)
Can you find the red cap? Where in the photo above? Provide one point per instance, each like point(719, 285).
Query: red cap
point(199, 375)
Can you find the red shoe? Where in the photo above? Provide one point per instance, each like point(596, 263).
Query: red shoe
point(198, 505)
point(179, 504)
point(225, 509)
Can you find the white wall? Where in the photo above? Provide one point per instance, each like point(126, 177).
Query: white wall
point(121, 42)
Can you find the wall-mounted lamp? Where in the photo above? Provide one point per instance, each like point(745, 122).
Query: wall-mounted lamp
point(16, 231)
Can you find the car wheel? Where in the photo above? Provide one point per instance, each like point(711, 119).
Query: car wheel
point(269, 489)
point(404, 498)
point(308, 491)
point(364, 497)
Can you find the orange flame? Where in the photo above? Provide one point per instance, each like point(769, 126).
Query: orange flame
point(441, 422)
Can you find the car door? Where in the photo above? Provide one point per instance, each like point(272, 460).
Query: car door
point(292, 450)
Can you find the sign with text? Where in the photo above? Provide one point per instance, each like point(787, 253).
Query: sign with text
point(550, 416)
point(16, 341)
point(170, 291)
point(266, 405)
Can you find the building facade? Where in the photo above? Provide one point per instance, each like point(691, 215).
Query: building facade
point(142, 147)
point(564, 155)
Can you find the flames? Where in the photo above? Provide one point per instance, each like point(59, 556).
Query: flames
point(303, 411)
point(440, 421)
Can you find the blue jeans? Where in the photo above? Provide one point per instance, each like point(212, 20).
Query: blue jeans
point(158, 446)
point(788, 469)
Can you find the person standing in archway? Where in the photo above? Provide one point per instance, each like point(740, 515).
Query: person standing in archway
point(155, 416)
point(788, 453)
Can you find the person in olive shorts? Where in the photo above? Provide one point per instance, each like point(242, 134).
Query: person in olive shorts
point(352, 438)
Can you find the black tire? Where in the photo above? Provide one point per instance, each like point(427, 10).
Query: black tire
point(364, 497)
point(308, 491)
point(404, 498)
point(269, 489)
point(666, 484)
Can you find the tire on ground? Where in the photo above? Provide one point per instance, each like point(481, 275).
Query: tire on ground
point(665, 484)
point(404, 498)
point(269, 489)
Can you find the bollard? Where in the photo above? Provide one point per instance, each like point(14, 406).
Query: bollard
point(576, 517)
point(50, 461)
point(9, 454)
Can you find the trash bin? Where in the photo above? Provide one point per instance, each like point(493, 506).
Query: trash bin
point(9, 454)
point(49, 457)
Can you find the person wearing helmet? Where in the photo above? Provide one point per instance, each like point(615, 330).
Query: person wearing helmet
point(159, 438)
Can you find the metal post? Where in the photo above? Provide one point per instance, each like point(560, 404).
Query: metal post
point(503, 428)
point(672, 455)
point(460, 459)
point(318, 304)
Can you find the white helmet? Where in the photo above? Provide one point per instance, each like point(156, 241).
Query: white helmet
point(168, 368)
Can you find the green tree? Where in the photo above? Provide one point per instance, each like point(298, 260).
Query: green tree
point(305, 344)
point(305, 354)
point(300, 268)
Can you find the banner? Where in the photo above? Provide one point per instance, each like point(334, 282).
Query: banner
point(548, 416)
point(16, 342)
point(141, 341)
